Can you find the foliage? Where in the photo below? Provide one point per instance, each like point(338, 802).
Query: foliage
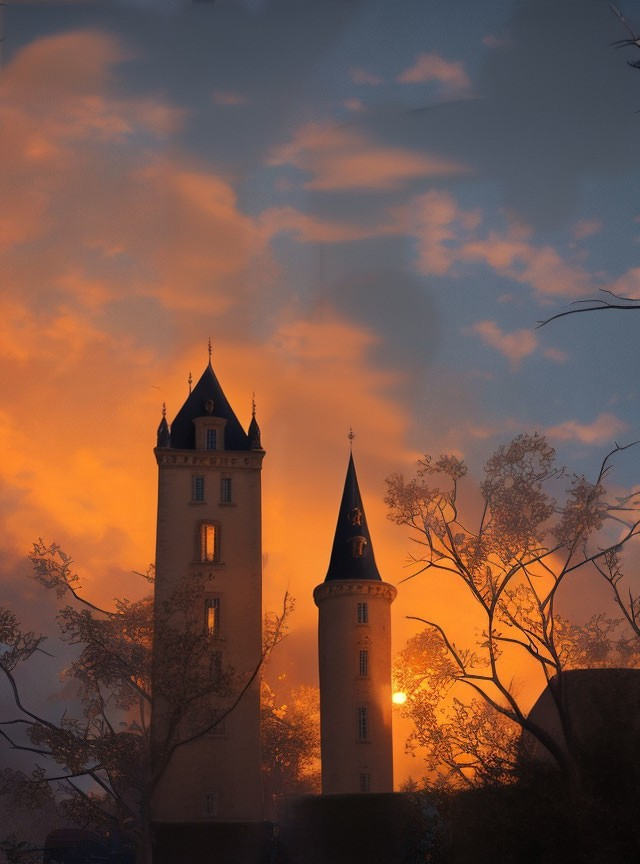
point(524, 549)
point(105, 773)
point(291, 742)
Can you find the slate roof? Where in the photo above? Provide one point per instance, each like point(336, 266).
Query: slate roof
point(352, 554)
point(183, 436)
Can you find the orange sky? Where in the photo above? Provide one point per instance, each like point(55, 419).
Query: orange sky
point(127, 241)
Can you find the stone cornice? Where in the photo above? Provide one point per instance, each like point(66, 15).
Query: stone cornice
point(354, 587)
point(168, 458)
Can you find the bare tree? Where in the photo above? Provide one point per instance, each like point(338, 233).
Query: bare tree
point(291, 742)
point(513, 564)
point(100, 763)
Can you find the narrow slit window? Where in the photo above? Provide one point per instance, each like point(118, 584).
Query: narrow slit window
point(197, 489)
point(216, 667)
point(212, 439)
point(226, 490)
point(210, 805)
point(363, 723)
point(209, 542)
point(363, 613)
point(212, 618)
point(363, 664)
point(365, 781)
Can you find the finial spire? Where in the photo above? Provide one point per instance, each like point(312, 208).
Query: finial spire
point(190, 382)
point(164, 409)
point(209, 346)
point(253, 405)
point(351, 436)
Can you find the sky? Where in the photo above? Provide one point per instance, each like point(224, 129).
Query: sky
point(366, 205)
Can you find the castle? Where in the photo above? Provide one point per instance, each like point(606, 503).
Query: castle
point(209, 535)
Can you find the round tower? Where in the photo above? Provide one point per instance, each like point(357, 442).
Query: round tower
point(354, 652)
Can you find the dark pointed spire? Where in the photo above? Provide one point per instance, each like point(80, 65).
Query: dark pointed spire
point(352, 554)
point(254, 429)
point(164, 435)
point(207, 398)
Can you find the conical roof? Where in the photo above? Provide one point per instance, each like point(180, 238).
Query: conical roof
point(207, 398)
point(352, 554)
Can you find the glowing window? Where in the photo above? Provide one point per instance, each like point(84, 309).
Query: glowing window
point(209, 542)
point(363, 613)
point(212, 439)
point(212, 617)
point(225, 490)
point(363, 664)
point(365, 781)
point(197, 489)
point(363, 722)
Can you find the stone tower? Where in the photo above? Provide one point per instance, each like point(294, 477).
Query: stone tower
point(208, 582)
point(354, 642)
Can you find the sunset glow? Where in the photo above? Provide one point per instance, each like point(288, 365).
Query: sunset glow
point(367, 213)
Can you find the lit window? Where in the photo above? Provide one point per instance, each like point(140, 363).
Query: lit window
point(212, 439)
point(365, 781)
point(363, 722)
point(210, 805)
point(363, 664)
point(363, 613)
point(197, 489)
point(225, 490)
point(209, 542)
point(212, 617)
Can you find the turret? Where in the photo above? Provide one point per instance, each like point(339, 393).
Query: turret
point(354, 648)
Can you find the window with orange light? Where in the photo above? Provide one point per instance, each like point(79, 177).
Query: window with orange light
point(212, 619)
point(209, 541)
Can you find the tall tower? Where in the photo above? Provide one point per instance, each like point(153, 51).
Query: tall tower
point(354, 642)
point(209, 582)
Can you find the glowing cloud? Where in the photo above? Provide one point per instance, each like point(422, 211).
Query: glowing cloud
point(432, 67)
point(603, 430)
point(515, 346)
point(340, 158)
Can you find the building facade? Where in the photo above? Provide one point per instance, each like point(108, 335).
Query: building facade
point(206, 710)
point(354, 647)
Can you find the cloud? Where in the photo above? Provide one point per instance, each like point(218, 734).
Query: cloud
point(515, 345)
point(362, 76)
point(310, 229)
point(603, 430)
point(438, 224)
point(432, 67)
point(355, 105)
point(446, 234)
point(229, 97)
point(586, 228)
point(340, 158)
point(627, 285)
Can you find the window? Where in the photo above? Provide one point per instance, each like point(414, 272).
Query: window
point(212, 439)
point(363, 722)
point(363, 664)
point(212, 617)
point(225, 490)
point(209, 550)
point(210, 805)
point(365, 781)
point(197, 489)
point(216, 662)
point(363, 613)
